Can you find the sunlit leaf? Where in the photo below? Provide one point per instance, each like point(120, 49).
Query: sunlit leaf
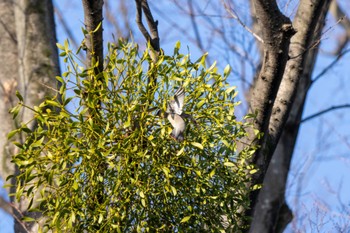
point(185, 219)
point(198, 145)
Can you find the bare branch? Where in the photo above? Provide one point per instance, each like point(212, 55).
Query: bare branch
point(4, 205)
point(65, 26)
point(234, 15)
point(152, 37)
point(325, 70)
point(339, 15)
point(324, 111)
point(194, 26)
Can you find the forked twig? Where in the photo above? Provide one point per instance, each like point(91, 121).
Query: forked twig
point(235, 16)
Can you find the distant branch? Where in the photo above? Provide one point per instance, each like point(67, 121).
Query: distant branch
point(195, 26)
point(340, 15)
point(65, 26)
point(325, 70)
point(4, 205)
point(325, 111)
point(235, 16)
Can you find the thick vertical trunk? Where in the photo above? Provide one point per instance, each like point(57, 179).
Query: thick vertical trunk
point(271, 212)
point(8, 83)
point(29, 62)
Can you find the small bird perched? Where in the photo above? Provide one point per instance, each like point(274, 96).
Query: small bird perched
point(174, 112)
point(175, 115)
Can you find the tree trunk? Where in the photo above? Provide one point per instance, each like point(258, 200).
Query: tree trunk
point(29, 62)
point(94, 40)
point(271, 212)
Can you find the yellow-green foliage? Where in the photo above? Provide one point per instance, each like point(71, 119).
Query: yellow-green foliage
point(103, 161)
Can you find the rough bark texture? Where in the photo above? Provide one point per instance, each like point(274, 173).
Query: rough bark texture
point(276, 32)
point(94, 40)
point(152, 37)
point(29, 63)
point(271, 212)
point(8, 83)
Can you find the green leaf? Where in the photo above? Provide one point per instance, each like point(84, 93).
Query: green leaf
point(212, 66)
point(28, 219)
point(66, 45)
point(38, 143)
point(60, 79)
point(143, 202)
point(15, 111)
point(75, 185)
point(202, 59)
point(12, 133)
point(98, 27)
point(198, 145)
point(177, 47)
point(52, 103)
point(185, 219)
point(19, 96)
point(61, 47)
point(67, 101)
point(227, 71)
point(72, 217)
point(180, 151)
point(212, 173)
point(253, 171)
point(229, 164)
point(166, 171)
point(201, 103)
point(230, 89)
point(173, 189)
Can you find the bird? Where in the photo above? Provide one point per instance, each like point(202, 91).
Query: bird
point(174, 114)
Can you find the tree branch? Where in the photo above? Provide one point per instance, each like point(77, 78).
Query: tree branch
point(152, 37)
point(233, 14)
point(324, 111)
point(276, 33)
point(94, 40)
point(267, 207)
point(340, 15)
point(325, 70)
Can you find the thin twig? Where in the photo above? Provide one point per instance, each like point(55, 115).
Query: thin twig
point(317, 42)
point(325, 111)
point(16, 218)
point(66, 28)
point(234, 15)
point(4, 205)
point(194, 26)
point(325, 70)
point(51, 88)
point(339, 14)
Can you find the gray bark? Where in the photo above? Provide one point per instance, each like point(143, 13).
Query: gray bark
point(29, 62)
point(276, 32)
point(271, 212)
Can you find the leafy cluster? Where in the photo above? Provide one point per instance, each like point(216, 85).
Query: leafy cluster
point(102, 160)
